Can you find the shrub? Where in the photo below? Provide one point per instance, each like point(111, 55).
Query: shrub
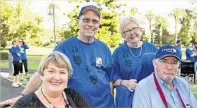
point(4, 55)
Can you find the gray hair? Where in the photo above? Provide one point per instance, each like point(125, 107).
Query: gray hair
point(58, 59)
point(126, 20)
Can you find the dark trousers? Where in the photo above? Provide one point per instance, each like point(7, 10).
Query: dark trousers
point(17, 67)
point(24, 63)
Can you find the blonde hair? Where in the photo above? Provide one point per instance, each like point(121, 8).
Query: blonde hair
point(125, 21)
point(58, 59)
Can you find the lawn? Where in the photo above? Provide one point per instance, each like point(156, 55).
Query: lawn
point(194, 90)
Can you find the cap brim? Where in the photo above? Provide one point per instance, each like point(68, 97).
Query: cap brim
point(170, 55)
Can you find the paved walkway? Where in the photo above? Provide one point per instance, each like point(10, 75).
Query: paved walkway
point(7, 91)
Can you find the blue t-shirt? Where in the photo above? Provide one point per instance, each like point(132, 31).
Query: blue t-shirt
point(179, 49)
point(127, 64)
point(147, 95)
point(15, 50)
point(91, 64)
point(23, 51)
point(188, 55)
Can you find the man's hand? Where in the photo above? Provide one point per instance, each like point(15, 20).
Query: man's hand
point(10, 102)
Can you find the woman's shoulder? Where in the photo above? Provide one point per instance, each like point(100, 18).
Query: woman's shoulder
point(75, 99)
point(30, 100)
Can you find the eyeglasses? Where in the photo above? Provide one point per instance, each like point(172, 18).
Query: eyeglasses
point(164, 61)
point(134, 29)
point(88, 20)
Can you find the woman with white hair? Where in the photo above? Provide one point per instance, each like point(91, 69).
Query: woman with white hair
point(127, 61)
point(55, 70)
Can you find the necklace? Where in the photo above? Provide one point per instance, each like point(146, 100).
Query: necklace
point(48, 100)
point(134, 54)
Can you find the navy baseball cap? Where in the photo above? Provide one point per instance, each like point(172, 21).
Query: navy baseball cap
point(90, 7)
point(167, 51)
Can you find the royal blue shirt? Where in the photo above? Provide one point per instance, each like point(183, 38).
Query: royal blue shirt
point(179, 49)
point(188, 55)
point(147, 96)
point(15, 51)
point(127, 64)
point(91, 64)
point(23, 51)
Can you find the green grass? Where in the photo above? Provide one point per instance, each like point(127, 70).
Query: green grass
point(33, 62)
point(194, 90)
point(4, 64)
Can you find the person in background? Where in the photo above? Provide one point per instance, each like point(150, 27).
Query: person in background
point(127, 61)
point(90, 59)
point(163, 89)
point(178, 46)
point(15, 52)
point(55, 70)
point(23, 47)
point(190, 55)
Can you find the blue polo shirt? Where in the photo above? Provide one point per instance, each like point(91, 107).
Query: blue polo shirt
point(91, 64)
point(147, 96)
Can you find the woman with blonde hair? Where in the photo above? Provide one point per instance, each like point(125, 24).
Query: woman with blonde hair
point(55, 70)
point(128, 61)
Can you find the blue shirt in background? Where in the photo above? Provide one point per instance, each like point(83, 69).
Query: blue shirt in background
point(15, 52)
point(147, 95)
point(188, 55)
point(23, 51)
point(91, 64)
point(180, 51)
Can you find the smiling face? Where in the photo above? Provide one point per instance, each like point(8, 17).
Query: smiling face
point(88, 24)
point(166, 68)
point(55, 79)
point(132, 33)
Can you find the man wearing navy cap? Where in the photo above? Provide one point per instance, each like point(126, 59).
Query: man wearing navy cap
point(90, 59)
point(163, 89)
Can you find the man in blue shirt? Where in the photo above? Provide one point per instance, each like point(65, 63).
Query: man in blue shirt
point(163, 89)
point(90, 59)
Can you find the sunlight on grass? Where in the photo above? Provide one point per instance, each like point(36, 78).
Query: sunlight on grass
point(4, 64)
point(194, 90)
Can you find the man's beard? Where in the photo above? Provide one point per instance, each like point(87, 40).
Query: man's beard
point(168, 80)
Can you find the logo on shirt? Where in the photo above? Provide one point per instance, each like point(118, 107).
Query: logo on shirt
point(99, 62)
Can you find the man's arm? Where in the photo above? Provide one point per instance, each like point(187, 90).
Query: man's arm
point(32, 85)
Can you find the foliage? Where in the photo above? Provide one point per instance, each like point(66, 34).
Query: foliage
point(18, 23)
point(161, 24)
point(186, 27)
point(133, 11)
point(177, 14)
point(150, 16)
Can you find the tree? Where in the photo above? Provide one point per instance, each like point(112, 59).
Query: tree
point(185, 31)
point(150, 16)
point(177, 14)
point(19, 23)
point(162, 24)
point(133, 11)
